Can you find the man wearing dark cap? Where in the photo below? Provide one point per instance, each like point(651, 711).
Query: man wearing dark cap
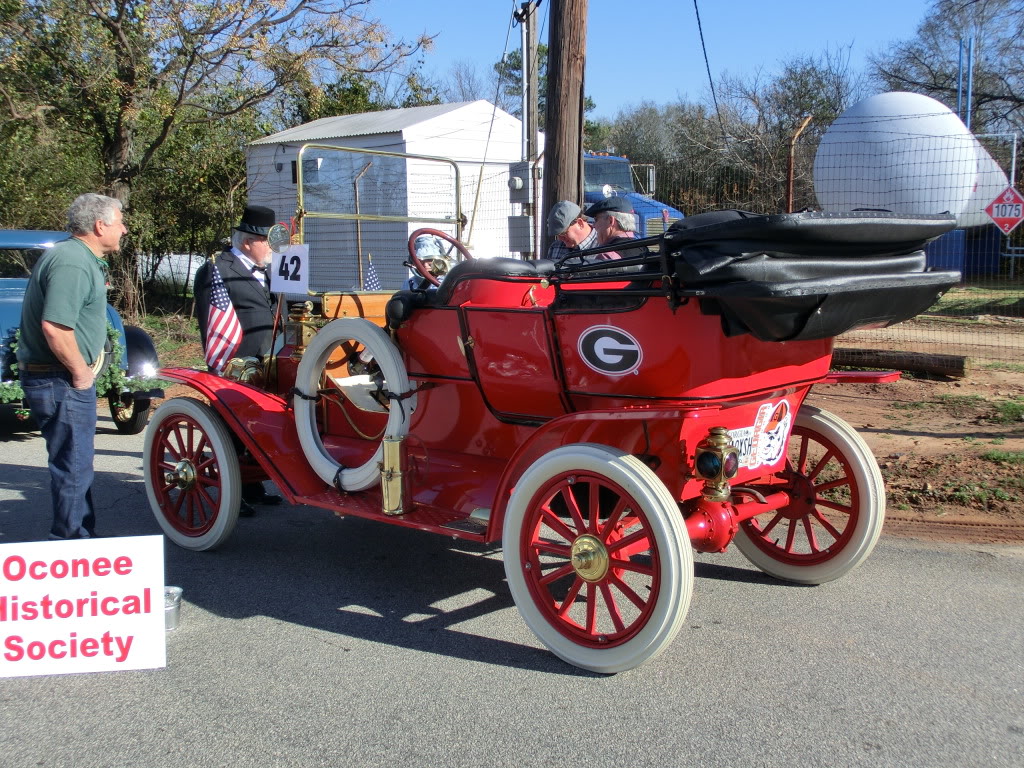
point(570, 230)
point(243, 268)
point(615, 224)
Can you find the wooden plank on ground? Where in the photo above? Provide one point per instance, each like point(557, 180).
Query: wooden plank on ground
point(956, 366)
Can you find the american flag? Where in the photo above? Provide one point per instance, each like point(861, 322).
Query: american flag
point(370, 280)
point(223, 331)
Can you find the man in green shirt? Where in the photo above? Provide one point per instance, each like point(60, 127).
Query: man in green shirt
point(60, 350)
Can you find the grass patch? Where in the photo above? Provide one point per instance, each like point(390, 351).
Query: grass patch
point(174, 336)
point(910, 405)
point(999, 366)
point(980, 300)
point(1004, 457)
point(965, 494)
point(1009, 411)
point(961, 405)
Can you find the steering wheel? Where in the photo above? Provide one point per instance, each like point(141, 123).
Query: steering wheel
point(425, 273)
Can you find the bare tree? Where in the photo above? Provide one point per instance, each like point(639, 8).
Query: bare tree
point(464, 83)
point(929, 62)
point(735, 153)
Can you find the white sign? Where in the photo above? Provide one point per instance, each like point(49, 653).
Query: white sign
point(289, 270)
point(90, 605)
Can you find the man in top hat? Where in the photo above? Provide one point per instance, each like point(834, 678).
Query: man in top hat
point(615, 224)
point(243, 268)
point(570, 230)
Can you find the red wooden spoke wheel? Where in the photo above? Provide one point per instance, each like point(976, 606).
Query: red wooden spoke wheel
point(597, 557)
point(418, 263)
point(193, 480)
point(837, 511)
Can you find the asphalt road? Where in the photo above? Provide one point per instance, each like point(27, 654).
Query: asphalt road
point(313, 641)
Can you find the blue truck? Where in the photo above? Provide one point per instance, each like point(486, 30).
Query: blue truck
point(610, 175)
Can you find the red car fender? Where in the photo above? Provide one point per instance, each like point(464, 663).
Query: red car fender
point(263, 422)
point(622, 429)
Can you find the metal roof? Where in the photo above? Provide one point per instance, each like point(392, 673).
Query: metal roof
point(364, 124)
point(29, 238)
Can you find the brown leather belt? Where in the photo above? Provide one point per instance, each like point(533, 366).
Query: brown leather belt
point(42, 368)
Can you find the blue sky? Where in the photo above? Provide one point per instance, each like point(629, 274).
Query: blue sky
point(628, 40)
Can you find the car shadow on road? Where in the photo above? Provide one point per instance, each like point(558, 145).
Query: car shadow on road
point(13, 429)
point(705, 570)
point(352, 577)
point(365, 580)
point(25, 506)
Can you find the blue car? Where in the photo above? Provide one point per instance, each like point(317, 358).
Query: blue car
point(22, 248)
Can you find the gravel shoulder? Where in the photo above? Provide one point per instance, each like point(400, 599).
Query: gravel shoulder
point(951, 452)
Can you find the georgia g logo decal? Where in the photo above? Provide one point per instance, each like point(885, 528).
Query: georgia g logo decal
point(610, 350)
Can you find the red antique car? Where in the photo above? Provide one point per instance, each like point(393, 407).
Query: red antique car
point(601, 419)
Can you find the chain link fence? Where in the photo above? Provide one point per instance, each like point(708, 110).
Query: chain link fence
point(382, 199)
point(981, 320)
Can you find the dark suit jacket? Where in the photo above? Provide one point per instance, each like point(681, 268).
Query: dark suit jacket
point(253, 303)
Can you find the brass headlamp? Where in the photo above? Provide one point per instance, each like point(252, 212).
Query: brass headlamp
point(717, 461)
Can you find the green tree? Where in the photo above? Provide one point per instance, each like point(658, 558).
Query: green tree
point(510, 84)
point(130, 72)
point(307, 100)
point(125, 76)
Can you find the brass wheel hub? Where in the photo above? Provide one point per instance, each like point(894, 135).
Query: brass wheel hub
point(589, 558)
point(183, 476)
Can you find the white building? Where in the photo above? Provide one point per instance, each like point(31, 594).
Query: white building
point(481, 139)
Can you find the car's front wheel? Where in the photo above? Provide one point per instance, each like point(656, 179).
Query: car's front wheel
point(129, 418)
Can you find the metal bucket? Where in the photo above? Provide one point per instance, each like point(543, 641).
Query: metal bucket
point(172, 607)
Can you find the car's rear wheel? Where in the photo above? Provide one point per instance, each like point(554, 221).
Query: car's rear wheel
point(837, 511)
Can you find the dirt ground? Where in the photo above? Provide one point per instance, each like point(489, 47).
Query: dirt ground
point(951, 452)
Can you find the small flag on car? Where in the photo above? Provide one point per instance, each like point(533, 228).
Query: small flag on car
point(223, 331)
point(370, 280)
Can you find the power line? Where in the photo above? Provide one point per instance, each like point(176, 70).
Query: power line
point(707, 66)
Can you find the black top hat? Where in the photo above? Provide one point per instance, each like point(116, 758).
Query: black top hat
point(257, 220)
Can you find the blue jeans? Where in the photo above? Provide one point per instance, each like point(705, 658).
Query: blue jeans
point(67, 418)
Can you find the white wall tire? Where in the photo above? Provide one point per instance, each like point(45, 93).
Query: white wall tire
point(307, 379)
point(838, 509)
point(192, 476)
point(604, 622)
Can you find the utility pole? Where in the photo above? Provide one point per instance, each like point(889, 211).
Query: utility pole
point(527, 20)
point(563, 128)
point(526, 16)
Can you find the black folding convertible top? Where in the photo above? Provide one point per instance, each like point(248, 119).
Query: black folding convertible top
point(807, 275)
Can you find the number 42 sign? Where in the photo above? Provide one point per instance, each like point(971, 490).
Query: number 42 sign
point(1007, 210)
point(289, 270)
